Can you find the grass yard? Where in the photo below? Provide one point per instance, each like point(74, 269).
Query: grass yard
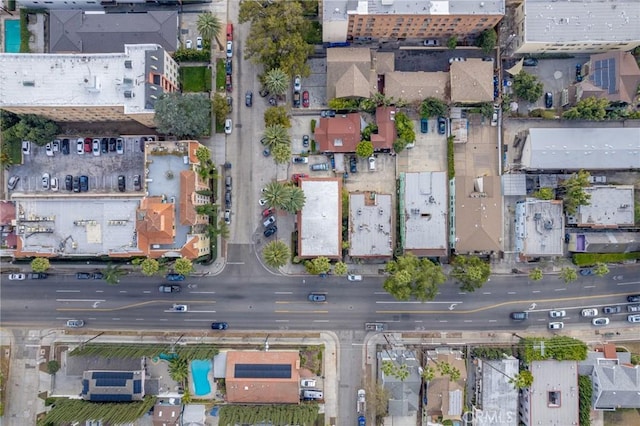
point(220, 75)
point(195, 79)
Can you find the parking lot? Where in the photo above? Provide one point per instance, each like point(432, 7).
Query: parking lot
point(102, 170)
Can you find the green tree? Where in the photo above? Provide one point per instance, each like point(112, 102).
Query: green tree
point(223, 229)
point(369, 129)
point(276, 194)
point(207, 209)
point(209, 26)
point(113, 273)
point(221, 108)
point(276, 81)
point(487, 40)
point(150, 267)
point(281, 153)
point(527, 87)
point(183, 115)
point(544, 194)
point(275, 37)
point(183, 266)
point(574, 194)
point(277, 116)
point(588, 109)
point(406, 133)
point(585, 395)
point(447, 369)
point(601, 269)
point(340, 269)
point(296, 200)
point(522, 380)
point(535, 274)
point(428, 373)
point(318, 265)
point(344, 104)
point(276, 135)
point(35, 128)
point(568, 274)
point(452, 43)
point(40, 264)
point(203, 154)
point(432, 107)
point(179, 369)
point(470, 271)
point(276, 254)
point(53, 367)
point(364, 149)
point(410, 276)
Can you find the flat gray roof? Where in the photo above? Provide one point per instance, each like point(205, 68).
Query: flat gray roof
point(582, 148)
point(563, 21)
point(553, 379)
point(78, 226)
point(539, 227)
point(498, 399)
point(423, 209)
point(609, 205)
point(370, 225)
point(336, 10)
point(320, 221)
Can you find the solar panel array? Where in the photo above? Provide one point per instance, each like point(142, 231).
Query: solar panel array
point(604, 75)
point(105, 397)
point(112, 375)
point(111, 382)
point(137, 386)
point(262, 371)
point(85, 387)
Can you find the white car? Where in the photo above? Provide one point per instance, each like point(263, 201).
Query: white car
point(297, 83)
point(179, 308)
point(80, 146)
point(452, 60)
point(353, 277)
point(556, 325)
point(45, 181)
point(589, 312)
point(55, 145)
point(199, 43)
point(262, 201)
point(96, 147)
point(26, 147)
point(557, 314)
point(54, 184)
point(228, 124)
point(49, 149)
point(16, 277)
point(600, 321)
point(308, 383)
point(372, 163)
point(229, 49)
point(227, 217)
point(188, 44)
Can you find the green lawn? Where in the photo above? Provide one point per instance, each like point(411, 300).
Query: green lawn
point(195, 79)
point(220, 74)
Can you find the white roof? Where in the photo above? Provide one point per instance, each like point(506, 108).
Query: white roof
point(320, 221)
point(539, 227)
point(498, 397)
point(563, 21)
point(370, 225)
point(425, 211)
point(553, 376)
point(609, 205)
point(598, 148)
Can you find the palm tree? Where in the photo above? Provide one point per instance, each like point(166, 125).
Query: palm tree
point(223, 229)
point(276, 135)
point(276, 254)
point(296, 200)
point(113, 273)
point(276, 194)
point(281, 153)
point(276, 81)
point(209, 26)
point(179, 369)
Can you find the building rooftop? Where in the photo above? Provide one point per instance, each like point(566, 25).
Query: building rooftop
point(604, 242)
point(610, 206)
point(581, 21)
point(370, 225)
point(612, 75)
point(349, 72)
point(108, 79)
point(498, 398)
point(385, 136)
point(582, 148)
point(338, 134)
point(553, 395)
point(444, 397)
point(113, 386)
point(472, 81)
point(403, 394)
point(423, 212)
point(320, 220)
point(417, 85)
point(78, 31)
point(539, 228)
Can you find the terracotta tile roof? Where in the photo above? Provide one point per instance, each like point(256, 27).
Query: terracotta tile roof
point(265, 389)
point(155, 223)
point(386, 129)
point(188, 214)
point(7, 212)
point(193, 147)
point(472, 81)
point(338, 134)
point(197, 245)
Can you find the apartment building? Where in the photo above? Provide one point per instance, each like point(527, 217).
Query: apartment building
point(350, 20)
point(88, 87)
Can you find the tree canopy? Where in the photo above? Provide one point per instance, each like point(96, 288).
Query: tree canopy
point(568, 274)
point(364, 149)
point(208, 25)
point(29, 127)
point(285, 197)
point(432, 107)
point(183, 266)
point(40, 264)
point(276, 81)
point(591, 108)
point(487, 40)
point(318, 265)
point(413, 277)
point(277, 116)
point(183, 115)
point(221, 108)
point(527, 87)
point(574, 194)
point(470, 271)
point(276, 254)
point(405, 131)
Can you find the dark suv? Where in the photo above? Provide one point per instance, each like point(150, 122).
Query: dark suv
point(121, 183)
point(84, 183)
point(248, 99)
point(68, 182)
point(519, 316)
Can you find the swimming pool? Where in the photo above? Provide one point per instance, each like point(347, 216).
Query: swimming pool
point(12, 36)
point(200, 372)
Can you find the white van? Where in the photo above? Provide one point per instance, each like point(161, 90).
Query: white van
point(312, 394)
point(353, 277)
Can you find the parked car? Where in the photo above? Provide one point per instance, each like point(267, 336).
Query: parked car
point(87, 145)
point(227, 199)
point(229, 84)
point(530, 62)
point(172, 276)
point(442, 125)
point(76, 184)
point(96, 147)
point(13, 181)
point(308, 383)
point(198, 43)
point(297, 176)
point(296, 100)
point(120, 146)
point(227, 217)
point(267, 212)
point(519, 316)
point(45, 181)
point(112, 144)
point(633, 308)
point(230, 103)
point(372, 163)
point(633, 318)
point(578, 73)
point(104, 145)
point(68, 182)
point(16, 277)
point(75, 323)
point(319, 167)
point(354, 277)
point(589, 312)
point(179, 308)
point(269, 221)
point(26, 147)
point(458, 59)
point(121, 183)
point(137, 184)
point(228, 67)
point(557, 314)
point(600, 321)
point(353, 165)
point(54, 184)
point(327, 113)
point(297, 83)
point(270, 231)
point(80, 146)
point(556, 325)
point(305, 141)
point(548, 100)
point(83, 275)
point(228, 124)
point(65, 147)
point(317, 297)
point(229, 49)
point(430, 42)
point(424, 125)
point(188, 44)
point(263, 92)
point(301, 160)
point(219, 325)
point(611, 310)
point(305, 99)
point(169, 288)
point(84, 183)
point(248, 98)
point(633, 298)
point(37, 276)
point(97, 276)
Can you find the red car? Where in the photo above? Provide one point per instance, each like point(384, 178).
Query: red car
point(267, 212)
point(87, 144)
point(297, 177)
point(305, 99)
point(229, 84)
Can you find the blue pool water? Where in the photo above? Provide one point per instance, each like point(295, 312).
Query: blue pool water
point(12, 36)
point(200, 371)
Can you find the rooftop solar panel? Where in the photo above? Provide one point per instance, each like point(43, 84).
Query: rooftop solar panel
point(85, 387)
point(262, 371)
point(105, 397)
point(137, 386)
point(111, 382)
point(604, 75)
point(112, 375)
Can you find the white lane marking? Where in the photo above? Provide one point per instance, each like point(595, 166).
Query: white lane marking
point(589, 286)
point(468, 320)
point(535, 291)
point(197, 320)
point(122, 291)
point(67, 291)
point(493, 320)
point(139, 319)
point(235, 263)
point(560, 289)
point(99, 291)
point(443, 321)
point(115, 319)
point(511, 292)
point(80, 300)
point(635, 282)
point(486, 292)
point(282, 320)
point(320, 320)
point(283, 292)
point(393, 302)
point(146, 292)
point(202, 292)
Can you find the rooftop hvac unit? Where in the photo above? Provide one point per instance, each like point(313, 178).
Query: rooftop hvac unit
point(128, 64)
point(128, 81)
point(129, 94)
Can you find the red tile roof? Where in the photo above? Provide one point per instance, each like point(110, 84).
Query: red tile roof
point(386, 129)
point(338, 134)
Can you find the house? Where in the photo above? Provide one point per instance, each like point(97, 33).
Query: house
point(320, 220)
point(552, 399)
point(471, 81)
point(415, 86)
point(370, 230)
point(338, 134)
point(575, 148)
point(603, 242)
point(404, 395)
point(166, 414)
point(614, 76)
point(424, 207)
point(445, 397)
point(380, 20)
point(112, 386)
point(384, 137)
point(349, 73)
point(496, 397)
point(539, 228)
point(477, 217)
point(75, 31)
point(88, 87)
point(263, 377)
point(616, 382)
point(609, 207)
point(568, 27)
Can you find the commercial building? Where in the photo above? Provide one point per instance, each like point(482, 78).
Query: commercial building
point(566, 26)
point(603, 242)
point(609, 207)
point(539, 228)
point(356, 20)
point(320, 220)
point(370, 230)
point(88, 87)
point(496, 397)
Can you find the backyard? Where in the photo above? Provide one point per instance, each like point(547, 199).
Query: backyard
point(195, 79)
